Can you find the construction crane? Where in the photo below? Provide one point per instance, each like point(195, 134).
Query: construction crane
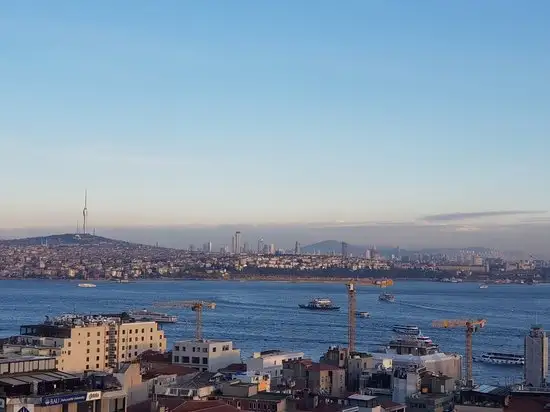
point(470, 326)
point(351, 317)
point(195, 305)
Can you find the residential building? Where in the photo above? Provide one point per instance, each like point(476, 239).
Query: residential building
point(37, 386)
point(319, 378)
point(205, 354)
point(261, 380)
point(536, 357)
point(91, 342)
point(271, 362)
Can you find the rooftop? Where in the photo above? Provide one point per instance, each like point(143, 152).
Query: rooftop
point(15, 357)
point(204, 341)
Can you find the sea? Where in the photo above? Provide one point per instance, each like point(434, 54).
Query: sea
point(265, 315)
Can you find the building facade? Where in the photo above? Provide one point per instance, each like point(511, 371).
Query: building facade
point(81, 343)
point(536, 357)
point(271, 362)
point(205, 355)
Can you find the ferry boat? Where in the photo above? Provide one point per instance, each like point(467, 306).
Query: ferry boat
point(363, 314)
point(496, 358)
point(386, 297)
point(86, 285)
point(319, 304)
point(145, 315)
point(407, 329)
point(484, 286)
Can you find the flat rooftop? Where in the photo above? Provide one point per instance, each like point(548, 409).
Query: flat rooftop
point(29, 378)
point(14, 357)
point(204, 341)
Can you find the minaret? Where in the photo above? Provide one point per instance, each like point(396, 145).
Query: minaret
point(85, 213)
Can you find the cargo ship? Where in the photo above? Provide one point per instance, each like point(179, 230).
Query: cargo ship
point(319, 304)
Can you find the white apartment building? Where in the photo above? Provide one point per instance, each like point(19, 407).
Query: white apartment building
point(271, 362)
point(205, 354)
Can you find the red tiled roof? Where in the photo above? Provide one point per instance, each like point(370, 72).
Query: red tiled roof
point(167, 369)
point(210, 406)
point(528, 404)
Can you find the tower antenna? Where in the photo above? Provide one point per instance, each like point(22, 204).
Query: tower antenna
point(85, 213)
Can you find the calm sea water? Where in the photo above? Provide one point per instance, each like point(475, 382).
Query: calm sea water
point(264, 315)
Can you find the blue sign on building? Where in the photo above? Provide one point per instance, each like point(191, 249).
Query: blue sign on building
point(61, 399)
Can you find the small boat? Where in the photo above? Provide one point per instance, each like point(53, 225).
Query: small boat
point(484, 286)
point(407, 329)
point(386, 297)
point(496, 358)
point(319, 304)
point(86, 285)
point(363, 314)
point(147, 316)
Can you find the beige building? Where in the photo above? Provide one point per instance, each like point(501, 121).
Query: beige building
point(205, 354)
point(82, 343)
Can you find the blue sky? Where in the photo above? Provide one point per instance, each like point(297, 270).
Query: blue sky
point(178, 112)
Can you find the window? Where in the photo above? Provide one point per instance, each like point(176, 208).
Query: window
point(177, 348)
point(122, 356)
point(185, 359)
point(97, 365)
point(142, 338)
point(225, 348)
point(130, 331)
point(214, 349)
point(151, 330)
point(88, 343)
point(87, 367)
point(97, 350)
point(87, 350)
point(205, 350)
point(150, 345)
point(143, 331)
point(183, 348)
point(205, 361)
point(195, 359)
point(97, 358)
point(176, 359)
point(88, 334)
point(69, 352)
point(135, 346)
point(193, 349)
point(98, 333)
point(137, 331)
point(98, 342)
point(123, 339)
point(124, 347)
point(130, 340)
point(87, 359)
point(124, 331)
point(69, 344)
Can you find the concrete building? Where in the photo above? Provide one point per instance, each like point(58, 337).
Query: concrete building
point(261, 380)
point(319, 378)
point(94, 342)
point(536, 357)
point(438, 363)
point(271, 362)
point(36, 386)
point(205, 355)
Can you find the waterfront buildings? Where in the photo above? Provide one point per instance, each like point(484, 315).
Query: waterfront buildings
point(536, 357)
point(205, 354)
point(271, 362)
point(91, 342)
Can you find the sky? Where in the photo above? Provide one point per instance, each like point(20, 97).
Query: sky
point(209, 112)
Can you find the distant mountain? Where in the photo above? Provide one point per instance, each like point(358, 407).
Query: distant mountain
point(66, 239)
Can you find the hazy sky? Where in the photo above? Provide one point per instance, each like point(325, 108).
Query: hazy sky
point(178, 112)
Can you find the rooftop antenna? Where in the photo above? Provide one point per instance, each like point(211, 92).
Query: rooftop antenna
point(85, 212)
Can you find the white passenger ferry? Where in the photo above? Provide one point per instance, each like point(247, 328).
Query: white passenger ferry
point(406, 329)
point(496, 358)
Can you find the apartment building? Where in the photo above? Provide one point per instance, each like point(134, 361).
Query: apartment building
point(205, 355)
point(271, 362)
point(94, 342)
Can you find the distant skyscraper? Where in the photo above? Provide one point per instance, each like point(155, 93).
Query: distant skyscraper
point(297, 248)
point(260, 245)
point(233, 250)
point(246, 248)
point(85, 213)
point(536, 357)
point(237, 242)
point(209, 247)
point(272, 249)
point(344, 250)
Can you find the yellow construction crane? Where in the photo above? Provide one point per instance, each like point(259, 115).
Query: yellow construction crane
point(351, 316)
point(195, 305)
point(470, 326)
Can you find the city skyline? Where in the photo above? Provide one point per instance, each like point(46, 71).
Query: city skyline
point(396, 112)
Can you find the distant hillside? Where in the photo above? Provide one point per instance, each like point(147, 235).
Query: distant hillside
point(67, 239)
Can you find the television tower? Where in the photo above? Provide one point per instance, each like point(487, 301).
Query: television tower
point(85, 213)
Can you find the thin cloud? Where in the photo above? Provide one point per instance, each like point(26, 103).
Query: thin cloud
point(450, 217)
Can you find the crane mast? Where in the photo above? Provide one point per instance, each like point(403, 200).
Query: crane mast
point(351, 317)
point(195, 305)
point(471, 326)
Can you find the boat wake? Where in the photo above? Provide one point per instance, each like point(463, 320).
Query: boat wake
point(431, 308)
